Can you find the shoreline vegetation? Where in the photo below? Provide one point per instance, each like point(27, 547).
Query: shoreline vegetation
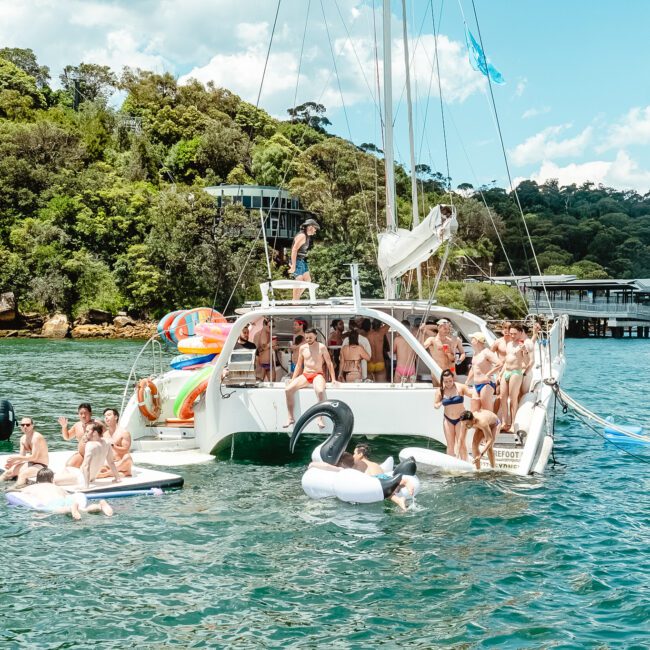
point(103, 208)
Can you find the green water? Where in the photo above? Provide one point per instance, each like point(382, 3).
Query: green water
point(241, 558)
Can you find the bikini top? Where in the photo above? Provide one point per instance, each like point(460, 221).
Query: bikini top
point(456, 399)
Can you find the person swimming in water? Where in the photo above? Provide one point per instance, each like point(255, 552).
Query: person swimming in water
point(52, 498)
point(451, 395)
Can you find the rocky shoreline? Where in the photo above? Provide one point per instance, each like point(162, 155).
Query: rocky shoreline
point(95, 324)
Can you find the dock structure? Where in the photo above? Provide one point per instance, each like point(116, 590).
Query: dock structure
point(594, 307)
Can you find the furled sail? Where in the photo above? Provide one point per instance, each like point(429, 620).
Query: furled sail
point(403, 250)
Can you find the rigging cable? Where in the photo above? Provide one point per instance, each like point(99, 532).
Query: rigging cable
point(487, 207)
point(347, 122)
point(505, 158)
point(268, 54)
point(442, 110)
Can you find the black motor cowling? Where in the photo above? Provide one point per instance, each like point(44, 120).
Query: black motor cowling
point(7, 419)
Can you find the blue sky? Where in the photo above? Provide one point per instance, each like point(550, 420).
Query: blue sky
point(576, 105)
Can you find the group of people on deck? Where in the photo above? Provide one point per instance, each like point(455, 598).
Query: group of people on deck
point(103, 450)
point(498, 377)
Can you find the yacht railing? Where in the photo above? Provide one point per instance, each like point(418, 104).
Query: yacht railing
point(587, 307)
point(155, 368)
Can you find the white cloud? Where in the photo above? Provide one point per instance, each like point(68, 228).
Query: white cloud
point(226, 42)
point(621, 173)
point(545, 146)
point(534, 112)
point(521, 86)
point(634, 128)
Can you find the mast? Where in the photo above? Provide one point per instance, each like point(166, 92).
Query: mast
point(389, 157)
point(409, 104)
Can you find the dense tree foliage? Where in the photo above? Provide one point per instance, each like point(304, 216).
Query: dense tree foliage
point(105, 208)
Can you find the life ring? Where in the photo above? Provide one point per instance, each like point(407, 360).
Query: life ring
point(190, 392)
point(144, 386)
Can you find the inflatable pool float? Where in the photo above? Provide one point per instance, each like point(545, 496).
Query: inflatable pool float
point(432, 461)
point(165, 323)
point(198, 345)
point(348, 484)
point(214, 332)
point(60, 504)
point(183, 325)
point(626, 434)
point(191, 390)
point(184, 361)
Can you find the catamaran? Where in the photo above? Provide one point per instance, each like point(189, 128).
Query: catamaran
point(230, 398)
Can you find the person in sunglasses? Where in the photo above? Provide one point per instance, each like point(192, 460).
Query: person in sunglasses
point(33, 455)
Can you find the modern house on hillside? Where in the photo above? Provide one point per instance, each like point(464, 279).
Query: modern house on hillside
point(282, 212)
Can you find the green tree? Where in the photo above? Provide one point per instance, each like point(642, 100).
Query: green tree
point(25, 59)
point(94, 82)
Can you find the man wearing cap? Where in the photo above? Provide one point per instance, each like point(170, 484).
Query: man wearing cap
point(443, 347)
point(301, 243)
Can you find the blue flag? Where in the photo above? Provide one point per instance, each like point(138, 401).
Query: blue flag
point(479, 61)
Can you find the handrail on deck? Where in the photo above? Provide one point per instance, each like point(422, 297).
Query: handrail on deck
point(156, 359)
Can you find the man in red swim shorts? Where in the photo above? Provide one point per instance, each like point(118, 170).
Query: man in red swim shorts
point(309, 370)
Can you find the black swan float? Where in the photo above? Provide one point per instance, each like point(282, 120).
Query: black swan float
point(342, 481)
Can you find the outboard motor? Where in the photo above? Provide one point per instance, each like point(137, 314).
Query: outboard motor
point(7, 419)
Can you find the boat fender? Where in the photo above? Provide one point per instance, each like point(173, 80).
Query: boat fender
point(32, 502)
point(7, 419)
point(343, 420)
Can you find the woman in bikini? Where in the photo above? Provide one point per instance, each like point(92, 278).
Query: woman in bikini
point(484, 364)
point(451, 395)
point(351, 357)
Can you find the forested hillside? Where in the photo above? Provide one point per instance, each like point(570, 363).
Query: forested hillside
point(103, 207)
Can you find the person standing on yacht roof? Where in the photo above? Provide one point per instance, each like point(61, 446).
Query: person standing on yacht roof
point(309, 370)
point(299, 267)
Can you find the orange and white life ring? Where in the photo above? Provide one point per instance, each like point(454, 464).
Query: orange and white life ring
point(149, 408)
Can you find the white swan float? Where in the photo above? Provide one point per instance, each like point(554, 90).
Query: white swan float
point(343, 482)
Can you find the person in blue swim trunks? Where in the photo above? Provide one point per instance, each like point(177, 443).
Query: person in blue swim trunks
point(451, 395)
point(299, 267)
point(485, 366)
point(367, 466)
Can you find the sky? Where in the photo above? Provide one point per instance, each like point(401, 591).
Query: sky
point(575, 106)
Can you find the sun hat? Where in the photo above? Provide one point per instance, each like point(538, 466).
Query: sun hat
point(311, 222)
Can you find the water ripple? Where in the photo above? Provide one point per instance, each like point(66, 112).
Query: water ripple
point(241, 558)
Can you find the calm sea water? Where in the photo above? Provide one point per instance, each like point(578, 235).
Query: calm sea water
point(241, 558)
